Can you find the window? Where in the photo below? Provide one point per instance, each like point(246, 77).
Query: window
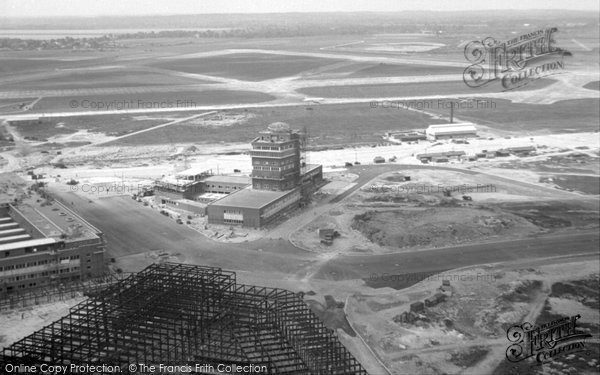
point(6, 254)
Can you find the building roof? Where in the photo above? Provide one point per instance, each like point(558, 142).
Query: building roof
point(451, 128)
point(194, 171)
point(521, 148)
point(229, 179)
point(309, 168)
point(56, 219)
point(212, 196)
point(191, 202)
point(27, 243)
point(251, 198)
point(174, 181)
point(440, 154)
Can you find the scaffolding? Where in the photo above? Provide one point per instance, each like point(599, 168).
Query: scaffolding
point(185, 314)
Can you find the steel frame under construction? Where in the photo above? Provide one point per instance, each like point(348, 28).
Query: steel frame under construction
point(185, 314)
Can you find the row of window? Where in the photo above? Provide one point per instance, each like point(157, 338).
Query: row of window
point(43, 274)
point(274, 148)
point(233, 221)
point(277, 163)
point(259, 168)
point(227, 187)
point(35, 283)
point(39, 263)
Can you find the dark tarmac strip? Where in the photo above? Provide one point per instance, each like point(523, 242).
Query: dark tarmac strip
point(404, 269)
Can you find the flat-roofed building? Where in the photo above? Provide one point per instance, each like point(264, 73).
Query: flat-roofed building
point(252, 207)
point(280, 181)
point(432, 156)
point(225, 184)
point(46, 244)
point(195, 185)
point(450, 131)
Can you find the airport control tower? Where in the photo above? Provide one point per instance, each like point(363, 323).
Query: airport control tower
point(276, 155)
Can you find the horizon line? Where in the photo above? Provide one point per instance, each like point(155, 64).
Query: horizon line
point(299, 12)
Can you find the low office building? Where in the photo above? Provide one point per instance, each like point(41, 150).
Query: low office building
point(192, 189)
point(253, 208)
point(448, 155)
point(46, 244)
point(451, 131)
point(225, 184)
point(521, 151)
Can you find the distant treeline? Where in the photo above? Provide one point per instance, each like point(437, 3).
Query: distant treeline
point(17, 44)
point(270, 31)
point(480, 23)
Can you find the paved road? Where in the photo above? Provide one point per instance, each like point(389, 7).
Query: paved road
point(434, 261)
point(132, 229)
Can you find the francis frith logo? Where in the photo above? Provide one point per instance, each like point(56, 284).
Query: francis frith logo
point(516, 62)
point(559, 337)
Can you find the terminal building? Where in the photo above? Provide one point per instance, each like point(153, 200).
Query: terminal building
point(44, 244)
point(280, 181)
point(191, 190)
point(451, 131)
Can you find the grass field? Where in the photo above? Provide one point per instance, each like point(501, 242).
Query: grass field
point(584, 184)
point(177, 99)
point(111, 125)
point(247, 66)
point(593, 85)
point(13, 105)
point(367, 70)
point(100, 79)
point(566, 115)
point(409, 89)
point(327, 125)
point(389, 70)
point(12, 66)
point(56, 60)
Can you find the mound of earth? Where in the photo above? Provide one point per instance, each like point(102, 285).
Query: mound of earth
point(440, 226)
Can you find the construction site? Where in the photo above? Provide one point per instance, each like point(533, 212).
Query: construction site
point(280, 181)
point(185, 314)
point(375, 212)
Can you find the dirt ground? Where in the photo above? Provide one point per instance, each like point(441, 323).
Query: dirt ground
point(16, 324)
point(436, 227)
point(466, 333)
point(389, 214)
